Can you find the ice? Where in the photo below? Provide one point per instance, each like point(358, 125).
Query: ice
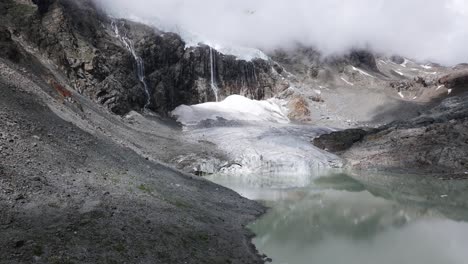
point(266, 149)
point(256, 137)
point(400, 73)
point(405, 63)
point(233, 108)
point(362, 72)
point(342, 78)
point(242, 53)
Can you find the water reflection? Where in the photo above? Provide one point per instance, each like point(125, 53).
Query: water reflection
point(365, 219)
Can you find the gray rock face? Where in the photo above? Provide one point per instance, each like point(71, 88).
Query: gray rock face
point(80, 41)
point(309, 65)
point(435, 142)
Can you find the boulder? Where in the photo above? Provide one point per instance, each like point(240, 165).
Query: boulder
point(340, 140)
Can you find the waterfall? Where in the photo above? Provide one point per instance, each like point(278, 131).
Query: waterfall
point(214, 88)
point(254, 72)
point(140, 66)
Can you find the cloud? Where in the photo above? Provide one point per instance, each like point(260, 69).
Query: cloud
point(421, 29)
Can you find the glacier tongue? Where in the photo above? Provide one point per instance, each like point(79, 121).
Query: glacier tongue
point(257, 138)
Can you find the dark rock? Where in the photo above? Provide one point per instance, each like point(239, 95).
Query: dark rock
point(339, 140)
point(19, 244)
point(5, 35)
point(360, 58)
point(397, 59)
point(8, 48)
point(457, 79)
point(363, 59)
point(43, 5)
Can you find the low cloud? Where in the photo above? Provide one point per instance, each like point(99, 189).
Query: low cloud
point(433, 30)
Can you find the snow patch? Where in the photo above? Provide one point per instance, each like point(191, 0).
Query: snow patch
point(400, 73)
point(440, 86)
point(242, 53)
point(342, 78)
point(427, 67)
point(404, 63)
point(401, 94)
point(234, 108)
point(362, 72)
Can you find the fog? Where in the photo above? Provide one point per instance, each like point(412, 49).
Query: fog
point(433, 30)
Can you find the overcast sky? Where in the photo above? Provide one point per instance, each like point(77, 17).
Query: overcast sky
point(434, 30)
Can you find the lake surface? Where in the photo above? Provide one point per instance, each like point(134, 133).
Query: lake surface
point(332, 218)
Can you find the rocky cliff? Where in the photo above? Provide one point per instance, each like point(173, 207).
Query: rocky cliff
point(81, 43)
point(436, 142)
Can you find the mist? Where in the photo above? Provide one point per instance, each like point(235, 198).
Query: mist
point(433, 30)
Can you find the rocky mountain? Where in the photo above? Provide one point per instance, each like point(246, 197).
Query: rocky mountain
point(98, 57)
point(96, 166)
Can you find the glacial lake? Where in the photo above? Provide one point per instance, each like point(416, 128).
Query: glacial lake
point(334, 218)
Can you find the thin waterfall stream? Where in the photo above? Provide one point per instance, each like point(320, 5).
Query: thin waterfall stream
point(214, 88)
point(140, 66)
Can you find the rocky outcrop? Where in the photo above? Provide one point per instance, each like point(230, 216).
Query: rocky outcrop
point(82, 44)
point(8, 49)
point(458, 79)
point(43, 5)
point(397, 59)
point(309, 65)
point(435, 142)
point(413, 85)
point(339, 141)
point(299, 109)
point(360, 58)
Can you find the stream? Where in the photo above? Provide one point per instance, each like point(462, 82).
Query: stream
point(332, 218)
